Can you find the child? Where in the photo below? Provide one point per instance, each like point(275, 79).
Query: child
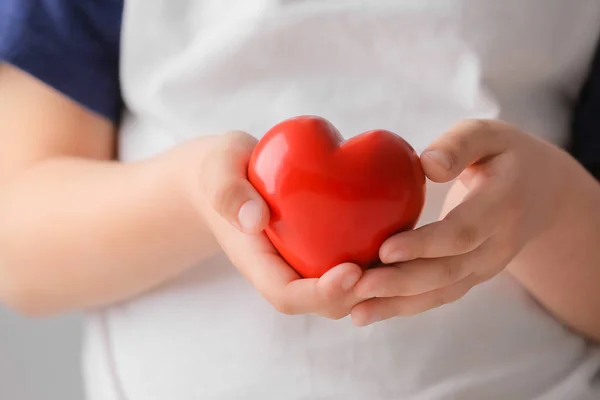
point(164, 248)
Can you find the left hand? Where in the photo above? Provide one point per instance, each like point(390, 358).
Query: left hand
point(510, 189)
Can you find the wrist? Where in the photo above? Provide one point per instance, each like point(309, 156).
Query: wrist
point(566, 178)
point(579, 191)
point(560, 267)
point(176, 172)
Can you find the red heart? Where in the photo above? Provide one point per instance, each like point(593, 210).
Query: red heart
point(334, 201)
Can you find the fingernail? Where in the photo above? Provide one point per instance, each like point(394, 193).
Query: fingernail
point(249, 215)
point(349, 281)
point(396, 256)
point(440, 157)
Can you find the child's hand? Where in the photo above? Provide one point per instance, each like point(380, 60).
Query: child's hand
point(509, 189)
point(237, 215)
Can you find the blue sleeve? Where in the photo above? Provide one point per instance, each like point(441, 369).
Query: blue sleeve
point(71, 45)
point(585, 135)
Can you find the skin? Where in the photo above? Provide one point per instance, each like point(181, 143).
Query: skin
point(80, 230)
point(519, 204)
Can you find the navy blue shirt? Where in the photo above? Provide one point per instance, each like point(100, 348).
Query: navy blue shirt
point(585, 129)
point(73, 46)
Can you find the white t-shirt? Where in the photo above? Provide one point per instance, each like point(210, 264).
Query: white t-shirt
point(194, 67)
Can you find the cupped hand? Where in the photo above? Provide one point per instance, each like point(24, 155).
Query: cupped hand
point(509, 186)
point(237, 216)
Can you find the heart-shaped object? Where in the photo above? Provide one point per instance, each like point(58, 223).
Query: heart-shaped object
point(334, 201)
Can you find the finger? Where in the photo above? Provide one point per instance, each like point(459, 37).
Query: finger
point(340, 308)
point(424, 275)
point(275, 280)
point(259, 262)
point(336, 283)
point(465, 144)
point(462, 230)
point(226, 186)
point(305, 296)
point(379, 309)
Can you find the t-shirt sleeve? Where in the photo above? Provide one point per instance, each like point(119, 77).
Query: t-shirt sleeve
point(585, 135)
point(71, 45)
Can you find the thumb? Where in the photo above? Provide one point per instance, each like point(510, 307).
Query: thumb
point(467, 143)
point(226, 187)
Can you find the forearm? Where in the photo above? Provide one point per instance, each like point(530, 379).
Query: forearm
point(561, 268)
point(77, 233)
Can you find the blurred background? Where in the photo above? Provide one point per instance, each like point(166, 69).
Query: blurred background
point(39, 358)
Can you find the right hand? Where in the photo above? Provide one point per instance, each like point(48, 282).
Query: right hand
point(237, 215)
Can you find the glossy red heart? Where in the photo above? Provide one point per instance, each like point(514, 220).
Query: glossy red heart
point(334, 201)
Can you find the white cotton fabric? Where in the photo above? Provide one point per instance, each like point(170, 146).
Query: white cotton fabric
point(195, 67)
